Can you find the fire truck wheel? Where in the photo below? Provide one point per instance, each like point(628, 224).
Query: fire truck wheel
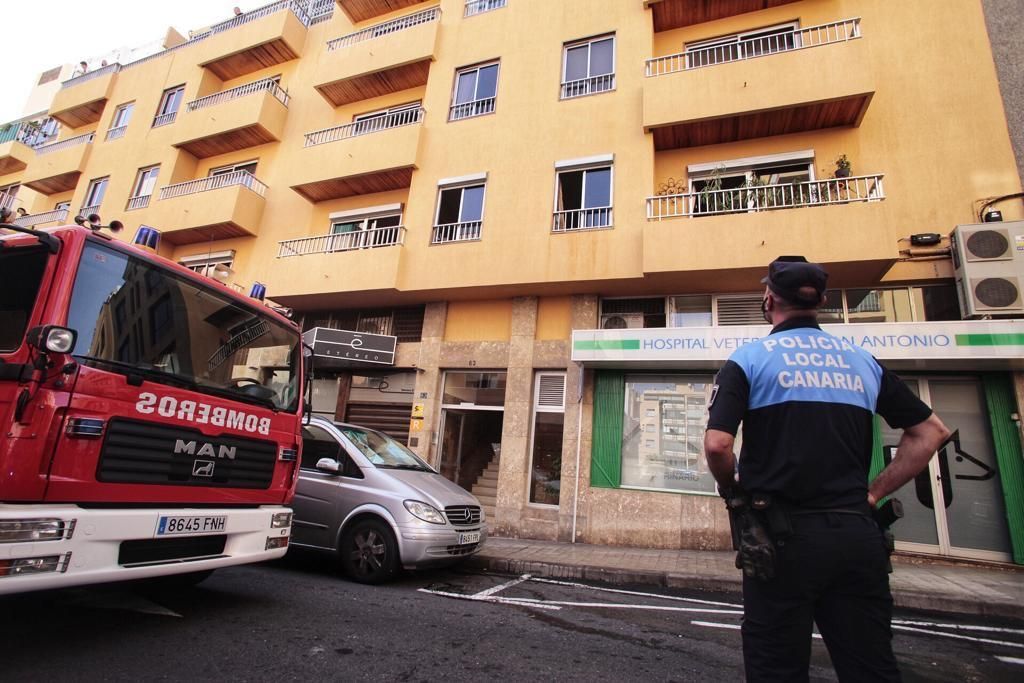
point(368, 551)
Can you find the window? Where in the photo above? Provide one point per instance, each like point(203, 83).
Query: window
point(546, 438)
point(8, 195)
point(23, 271)
point(474, 388)
point(317, 444)
point(936, 302)
point(386, 118)
point(690, 311)
point(62, 205)
point(119, 124)
point(460, 213)
point(474, 7)
point(476, 90)
point(753, 184)
point(588, 67)
point(212, 264)
point(764, 41)
point(583, 199)
point(169, 104)
point(366, 230)
point(143, 188)
point(94, 195)
point(246, 166)
point(235, 174)
point(404, 323)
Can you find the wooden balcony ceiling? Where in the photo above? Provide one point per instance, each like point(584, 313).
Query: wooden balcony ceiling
point(843, 112)
point(350, 186)
point(228, 141)
point(361, 10)
point(376, 84)
point(81, 115)
point(204, 233)
point(11, 164)
point(670, 14)
point(252, 59)
point(65, 182)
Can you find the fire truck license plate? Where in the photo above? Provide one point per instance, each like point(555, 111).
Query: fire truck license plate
point(187, 526)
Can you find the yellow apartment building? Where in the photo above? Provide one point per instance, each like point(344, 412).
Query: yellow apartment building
point(523, 234)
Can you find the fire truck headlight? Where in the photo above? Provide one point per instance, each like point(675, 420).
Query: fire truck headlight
point(281, 520)
point(22, 530)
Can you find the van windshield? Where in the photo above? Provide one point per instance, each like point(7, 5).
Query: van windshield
point(383, 451)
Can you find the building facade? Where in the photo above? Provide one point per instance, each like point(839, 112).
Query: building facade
point(560, 213)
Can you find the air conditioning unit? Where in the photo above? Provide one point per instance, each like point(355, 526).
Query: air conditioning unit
point(621, 321)
point(988, 259)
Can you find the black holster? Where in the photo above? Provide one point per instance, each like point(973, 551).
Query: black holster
point(749, 521)
point(885, 516)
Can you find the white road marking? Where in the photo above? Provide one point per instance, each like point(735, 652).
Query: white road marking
point(497, 589)
point(959, 636)
point(959, 627)
point(473, 598)
point(732, 627)
point(636, 593)
point(1010, 660)
point(613, 605)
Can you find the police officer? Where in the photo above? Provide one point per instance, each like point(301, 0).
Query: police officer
point(806, 400)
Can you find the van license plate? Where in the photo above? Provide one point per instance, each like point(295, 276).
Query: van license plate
point(469, 537)
point(190, 526)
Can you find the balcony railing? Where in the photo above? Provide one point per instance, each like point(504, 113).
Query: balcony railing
point(86, 210)
point(342, 241)
point(31, 133)
point(396, 119)
point(582, 219)
point(254, 15)
point(89, 75)
point(265, 84)
point(400, 24)
point(474, 7)
point(588, 86)
point(456, 232)
point(797, 39)
point(140, 202)
point(215, 182)
point(865, 188)
point(65, 144)
point(164, 119)
point(117, 132)
point(55, 216)
point(468, 110)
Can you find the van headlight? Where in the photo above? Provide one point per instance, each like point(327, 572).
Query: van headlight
point(428, 513)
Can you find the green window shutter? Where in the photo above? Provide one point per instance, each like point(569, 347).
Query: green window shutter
point(877, 459)
point(609, 407)
point(1006, 436)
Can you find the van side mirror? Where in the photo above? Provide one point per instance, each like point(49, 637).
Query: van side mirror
point(328, 465)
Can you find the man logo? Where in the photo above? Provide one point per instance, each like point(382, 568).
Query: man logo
point(203, 468)
point(206, 449)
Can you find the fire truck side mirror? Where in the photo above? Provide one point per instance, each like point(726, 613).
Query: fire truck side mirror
point(52, 338)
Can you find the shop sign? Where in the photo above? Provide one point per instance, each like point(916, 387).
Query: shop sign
point(345, 348)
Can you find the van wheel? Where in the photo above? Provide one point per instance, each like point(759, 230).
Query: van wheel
point(369, 553)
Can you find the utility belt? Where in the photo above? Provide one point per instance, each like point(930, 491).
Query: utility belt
point(760, 523)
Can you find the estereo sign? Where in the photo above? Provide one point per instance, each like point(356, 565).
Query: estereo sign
point(924, 344)
point(344, 348)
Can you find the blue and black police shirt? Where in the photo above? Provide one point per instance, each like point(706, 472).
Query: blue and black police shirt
point(806, 400)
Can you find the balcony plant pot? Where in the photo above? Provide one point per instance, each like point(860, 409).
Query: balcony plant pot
point(842, 167)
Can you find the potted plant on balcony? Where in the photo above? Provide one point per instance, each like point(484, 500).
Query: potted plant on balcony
point(842, 167)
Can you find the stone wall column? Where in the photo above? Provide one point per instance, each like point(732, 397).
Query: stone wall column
point(428, 383)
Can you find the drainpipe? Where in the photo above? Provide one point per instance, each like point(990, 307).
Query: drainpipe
point(579, 435)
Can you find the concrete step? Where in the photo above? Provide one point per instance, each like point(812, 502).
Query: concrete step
point(479, 490)
point(487, 501)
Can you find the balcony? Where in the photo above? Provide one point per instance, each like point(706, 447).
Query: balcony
point(379, 60)
point(58, 216)
point(213, 208)
point(254, 40)
point(57, 166)
point(670, 14)
point(15, 150)
point(808, 79)
point(80, 100)
point(709, 230)
point(364, 10)
point(342, 241)
point(246, 116)
point(369, 156)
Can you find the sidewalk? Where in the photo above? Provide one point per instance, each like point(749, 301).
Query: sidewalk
point(916, 584)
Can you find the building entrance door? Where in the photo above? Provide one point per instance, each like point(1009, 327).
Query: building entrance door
point(955, 507)
point(472, 414)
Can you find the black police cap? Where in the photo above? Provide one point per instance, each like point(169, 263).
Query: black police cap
point(787, 275)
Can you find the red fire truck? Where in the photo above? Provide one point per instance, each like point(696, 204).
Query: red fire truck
point(149, 415)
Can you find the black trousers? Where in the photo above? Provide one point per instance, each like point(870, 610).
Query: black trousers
point(831, 571)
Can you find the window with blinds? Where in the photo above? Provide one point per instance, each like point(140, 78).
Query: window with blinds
point(741, 309)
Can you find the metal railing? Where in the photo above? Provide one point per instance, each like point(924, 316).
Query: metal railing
point(468, 110)
point(396, 119)
point(65, 144)
point(31, 133)
point(140, 202)
point(89, 75)
point(164, 119)
point(864, 188)
point(55, 216)
point(588, 86)
point(582, 219)
point(456, 232)
point(342, 241)
point(215, 182)
point(265, 84)
point(254, 15)
point(115, 133)
point(750, 48)
point(388, 27)
point(86, 210)
point(474, 7)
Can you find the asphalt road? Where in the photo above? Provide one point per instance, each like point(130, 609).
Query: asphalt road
point(297, 620)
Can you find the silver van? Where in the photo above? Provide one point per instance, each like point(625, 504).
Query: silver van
point(377, 506)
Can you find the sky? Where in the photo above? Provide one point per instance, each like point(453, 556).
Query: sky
point(41, 34)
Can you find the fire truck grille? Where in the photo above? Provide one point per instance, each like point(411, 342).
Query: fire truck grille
point(146, 453)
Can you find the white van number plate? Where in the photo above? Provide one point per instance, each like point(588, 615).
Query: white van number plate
point(469, 537)
point(189, 526)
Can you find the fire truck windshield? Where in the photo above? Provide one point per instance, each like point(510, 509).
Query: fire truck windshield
point(133, 316)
